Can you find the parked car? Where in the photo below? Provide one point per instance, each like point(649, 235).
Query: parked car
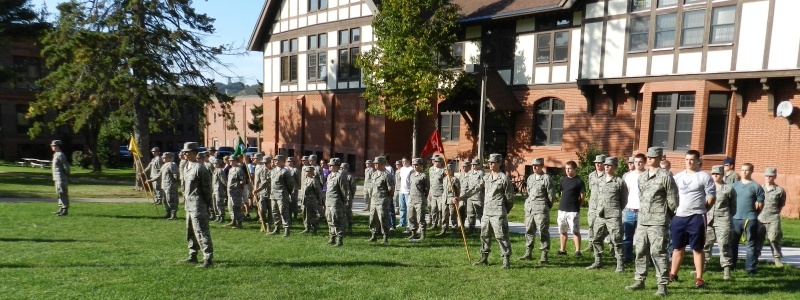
point(125, 153)
point(223, 151)
point(250, 151)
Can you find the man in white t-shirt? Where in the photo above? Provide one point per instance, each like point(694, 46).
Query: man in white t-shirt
point(630, 214)
point(404, 173)
point(696, 193)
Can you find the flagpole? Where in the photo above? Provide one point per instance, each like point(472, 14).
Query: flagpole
point(458, 212)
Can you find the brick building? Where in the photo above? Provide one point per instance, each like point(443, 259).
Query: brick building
point(216, 132)
point(624, 75)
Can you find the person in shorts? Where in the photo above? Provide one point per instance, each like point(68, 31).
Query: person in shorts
point(572, 192)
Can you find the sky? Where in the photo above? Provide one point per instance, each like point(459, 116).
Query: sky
point(234, 23)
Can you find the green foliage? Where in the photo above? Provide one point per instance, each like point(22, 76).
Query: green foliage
point(407, 68)
point(81, 159)
point(19, 22)
point(586, 165)
point(257, 125)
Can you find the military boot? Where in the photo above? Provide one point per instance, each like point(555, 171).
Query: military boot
point(339, 241)
point(221, 219)
point(63, 213)
point(305, 230)
point(662, 290)
point(527, 255)
point(778, 262)
point(483, 261)
point(442, 233)
point(620, 266)
point(168, 215)
point(637, 285)
point(726, 273)
point(274, 230)
point(506, 264)
point(191, 259)
point(385, 239)
point(231, 224)
point(597, 263)
point(238, 225)
point(172, 215)
point(207, 263)
point(286, 232)
point(471, 230)
point(422, 235)
point(413, 235)
point(543, 258)
point(331, 239)
point(59, 211)
point(373, 238)
point(314, 229)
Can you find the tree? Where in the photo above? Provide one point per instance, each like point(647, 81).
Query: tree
point(258, 114)
point(19, 22)
point(145, 55)
point(409, 66)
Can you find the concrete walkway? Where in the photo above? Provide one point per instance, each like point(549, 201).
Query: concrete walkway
point(791, 255)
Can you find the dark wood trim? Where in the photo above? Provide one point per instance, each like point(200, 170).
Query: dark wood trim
point(582, 43)
point(707, 36)
point(631, 90)
point(736, 33)
point(320, 28)
point(603, 41)
point(679, 12)
point(651, 39)
point(588, 93)
point(316, 12)
point(767, 88)
point(626, 43)
point(303, 115)
point(768, 41)
point(682, 77)
point(738, 96)
point(550, 86)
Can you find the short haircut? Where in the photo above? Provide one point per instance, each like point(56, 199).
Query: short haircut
point(748, 165)
point(572, 164)
point(694, 153)
point(640, 155)
point(666, 162)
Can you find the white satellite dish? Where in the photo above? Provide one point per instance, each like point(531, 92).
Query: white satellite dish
point(785, 109)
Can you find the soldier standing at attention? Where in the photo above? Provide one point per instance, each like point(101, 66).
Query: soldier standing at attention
point(611, 197)
point(297, 175)
point(281, 185)
point(60, 167)
point(730, 172)
point(236, 180)
point(541, 192)
point(630, 216)
point(395, 209)
point(368, 169)
point(310, 196)
point(436, 176)
point(261, 190)
point(403, 175)
point(350, 180)
point(382, 187)
point(749, 201)
point(569, 209)
point(153, 170)
point(473, 194)
point(718, 228)
point(220, 189)
point(499, 193)
point(419, 185)
point(197, 194)
point(335, 202)
point(203, 159)
point(769, 218)
point(169, 182)
point(696, 193)
point(448, 209)
point(463, 180)
point(594, 178)
point(658, 197)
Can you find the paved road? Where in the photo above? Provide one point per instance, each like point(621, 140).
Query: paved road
point(791, 255)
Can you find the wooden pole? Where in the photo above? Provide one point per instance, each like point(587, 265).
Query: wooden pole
point(458, 212)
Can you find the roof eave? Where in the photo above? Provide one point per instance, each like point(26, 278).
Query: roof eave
point(257, 37)
point(564, 4)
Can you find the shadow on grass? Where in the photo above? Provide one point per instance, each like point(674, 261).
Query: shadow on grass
point(37, 240)
point(313, 264)
point(129, 217)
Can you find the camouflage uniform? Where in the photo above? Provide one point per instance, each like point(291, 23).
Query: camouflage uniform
point(281, 185)
point(382, 187)
point(473, 192)
point(60, 168)
point(296, 174)
point(731, 177)
point(448, 211)
point(261, 180)
point(310, 196)
point(499, 200)
point(220, 192)
point(169, 183)
point(236, 180)
point(610, 197)
point(594, 179)
point(418, 186)
point(718, 227)
point(368, 186)
point(336, 196)
point(197, 194)
point(769, 220)
point(436, 177)
point(541, 192)
point(350, 180)
point(153, 170)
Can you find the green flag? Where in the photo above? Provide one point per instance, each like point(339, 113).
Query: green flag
point(240, 147)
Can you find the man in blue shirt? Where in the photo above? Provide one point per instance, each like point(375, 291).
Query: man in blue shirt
point(749, 201)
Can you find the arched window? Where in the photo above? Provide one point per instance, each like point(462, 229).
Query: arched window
point(548, 122)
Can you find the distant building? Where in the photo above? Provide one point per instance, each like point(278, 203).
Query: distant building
point(218, 134)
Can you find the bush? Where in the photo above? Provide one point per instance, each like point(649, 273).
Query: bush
point(81, 159)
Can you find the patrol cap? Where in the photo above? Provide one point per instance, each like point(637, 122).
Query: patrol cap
point(537, 161)
point(190, 146)
point(416, 161)
point(155, 149)
point(631, 159)
point(308, 169)
point(717, 170)
point(290, 159)
point(202, 154)
point(304, 158)
point(437, 158)
point(599, 158)
point(55, 143)
point(771, 172)
point(335, 161)
point(476, 161)
point(171, 155)
point(312, 157)
point(728, 161)
point(495, 157)
point(280, 157)
point(258, 155)
point(452, 166)
point(380, 160)
point(465, 164)
point(345, 166)
point(369, 161)
point(655, 152)
point(266, 159)
point(611, 161)
point(398, 162)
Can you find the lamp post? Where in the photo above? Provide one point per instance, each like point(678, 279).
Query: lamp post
point(474, 69)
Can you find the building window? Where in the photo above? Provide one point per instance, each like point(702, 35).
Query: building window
point(289, 60)
point(315, 5)
point(26, 71)
point(637, 5)
point(665, 31)
point(543, 48)
point(457, 52)
point(450, 123)
point(317, 57)
point(559, 49)
point(23, 124)
point(694, 1)
point(548, 122)
point(665, 3)
point(693, 25)
point(672, 121)
point(717, 126)
point(639, 34)
point(722, 19)
point(347, 55)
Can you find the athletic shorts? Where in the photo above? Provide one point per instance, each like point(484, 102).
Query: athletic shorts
point(688, 231)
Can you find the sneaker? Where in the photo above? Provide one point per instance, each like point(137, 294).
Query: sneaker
point(578, 254)
point(673, 278)
point(699, 283)
point(561, 253)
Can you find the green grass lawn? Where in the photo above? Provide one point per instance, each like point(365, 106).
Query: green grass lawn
point(27, 182)
point(115, 251)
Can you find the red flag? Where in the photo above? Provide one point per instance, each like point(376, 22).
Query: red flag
point(434, 144)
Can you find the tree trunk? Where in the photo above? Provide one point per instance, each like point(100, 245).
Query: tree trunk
point(141, 129)
point(414, 135)
point(90, 135)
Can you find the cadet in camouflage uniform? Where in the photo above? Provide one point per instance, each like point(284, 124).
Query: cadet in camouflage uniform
point(169, 182)
point(499, 201)
point(310, 196)
point(368, 169)
point(436, 174)
point(730, 175)
point(60, 167)
point(472, 192)
point(220, 189)
point(336, 196)
point(197, 194)
point(351, 186)
point(312, 160)
point(463, 181)
point(153, 170)
point(610, 197)
point(541, 192)
point(236, 180)
point(281, 185)
point(297, 175)
point(452, 190)
point(418, 186)
point(658, 197)
point(261, 191)
point(718, 226)
point(206, 159)
point(382, 186)
point(769, 218)
point(593, 179)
